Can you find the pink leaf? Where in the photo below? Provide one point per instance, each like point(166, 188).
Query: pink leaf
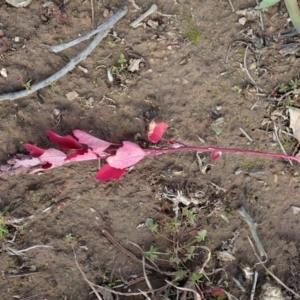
point(54, 157)
point(65, 142)
point(97, 145)
point(215, 155)
point(107, 173)
point(126, 156)
point(156, 131)
point(34, 150)
point(81, 155)
point(26, 163)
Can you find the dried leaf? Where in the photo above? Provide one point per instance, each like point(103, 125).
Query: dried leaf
point(126, 156)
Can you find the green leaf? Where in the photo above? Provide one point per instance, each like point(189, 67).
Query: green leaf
point(201, 235)
point(266, 3)
point(196, 277)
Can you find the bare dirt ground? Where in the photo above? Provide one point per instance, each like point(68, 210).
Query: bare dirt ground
point(190, 86)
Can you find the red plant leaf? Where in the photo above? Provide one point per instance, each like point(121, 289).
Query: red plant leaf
point(97, 145)
point(126, 156)
point(217, 291)
point(215, 155)
point(156, 131)
point(64, 142)
point(81, 155)
point(34, 150)
point(107, 173)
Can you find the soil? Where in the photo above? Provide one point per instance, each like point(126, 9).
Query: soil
point(191, 82)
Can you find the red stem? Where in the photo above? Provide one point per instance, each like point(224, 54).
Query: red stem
point(153, 152)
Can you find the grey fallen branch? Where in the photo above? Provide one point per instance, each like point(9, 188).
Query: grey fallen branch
point(101, 28)
point(252, 225)
point(73, 62)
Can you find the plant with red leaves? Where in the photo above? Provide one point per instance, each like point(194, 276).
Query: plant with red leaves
point(84, 146)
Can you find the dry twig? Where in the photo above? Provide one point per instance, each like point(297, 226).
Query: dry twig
point(270, 272)
point(150, 11)
point(84, 277)
point(252, 226)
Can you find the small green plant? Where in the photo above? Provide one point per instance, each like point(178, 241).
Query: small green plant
point(218, 131)
point(122, 65)
point(294, 84)
point(55, 89)
point(122, 61)
point(69, 237)
point(3, 229)
point(193, 34)
point(196, 277)
point(201, 235)
point(27, 85)
point(151, 254)
point(236, 89)
point(114, 70)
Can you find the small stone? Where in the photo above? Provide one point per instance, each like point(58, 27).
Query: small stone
point(295, 210)
point(17, 39)
point(72, 95)
point(242, 20)
point(84, 70)
point(149, 222)
point(3, 72)
point(56, 112)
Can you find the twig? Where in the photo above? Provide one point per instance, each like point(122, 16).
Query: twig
point(84, 277)
point(134, 4)
point(11, 251)
point(280, 144)
point(245, 66)
point(93, 13)
point(150, 11)
point(271, 273)
point(101, 28)
point(245, 134)
point(231, 5)
point(239, 285)
point(123, 249)
point(261, 17)
point(146, 277)
point(255, 276)
point(70, 66)
point(197, 296)
point(252, 225)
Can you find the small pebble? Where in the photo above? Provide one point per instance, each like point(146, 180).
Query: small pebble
point(17, 39)
point(3, 72)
